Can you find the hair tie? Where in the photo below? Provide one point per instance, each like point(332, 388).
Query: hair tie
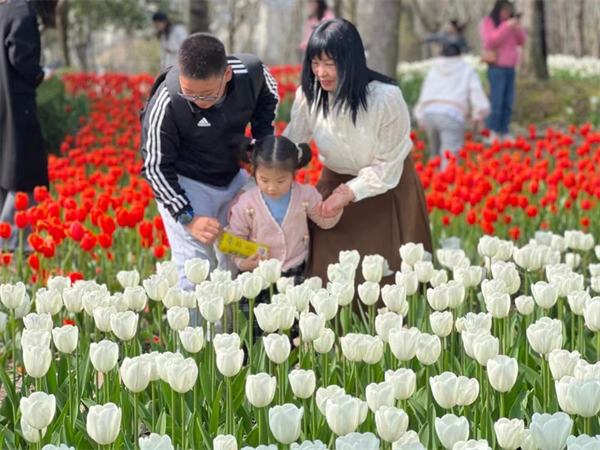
point(300, 152)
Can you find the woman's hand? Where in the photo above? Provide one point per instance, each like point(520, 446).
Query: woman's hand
point(342, 196)
point(250, 263)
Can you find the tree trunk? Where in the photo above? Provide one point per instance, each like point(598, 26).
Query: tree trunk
point(539, 51)
point(337, 8)
point(63, 29)
point(385, 28)
point(199, 16)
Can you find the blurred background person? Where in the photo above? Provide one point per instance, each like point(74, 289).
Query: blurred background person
point(453, 33)
point(451, 92)
point(502, 34)
point(170, 37)
point(318, 12)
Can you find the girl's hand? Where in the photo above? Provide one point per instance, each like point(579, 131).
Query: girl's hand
point(340, 198)
point(250, 263)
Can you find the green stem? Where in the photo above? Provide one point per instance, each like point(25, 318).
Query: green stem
point(372, 320)
point(173, 414)
point(183, 446)
point(136, 428)
point(153, 406)
point(251, 332)
point(15, 360)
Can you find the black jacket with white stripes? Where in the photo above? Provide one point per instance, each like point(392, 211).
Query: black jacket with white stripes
point(178, 138)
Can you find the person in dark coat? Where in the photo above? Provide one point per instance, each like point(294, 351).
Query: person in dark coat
point(23, 160)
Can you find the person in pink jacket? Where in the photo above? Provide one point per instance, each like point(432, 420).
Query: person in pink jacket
point(502, 34)
point(275, 213)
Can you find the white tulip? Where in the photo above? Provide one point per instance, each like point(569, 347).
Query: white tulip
point(73, 299)
point(372, 268)
point(488, 247)
point(563, 363)
point(303, 382)
point(424, 271)
point(324, 304)
point(353, 347)
point(510, 433)
point(12, 295)
point(469, 276)
point(410, 282)
point(48, 301)
point(285, 422)
point(391, 423)
point(229, 361)
point(102, 315)
point(404, 343)
point(178, 317)
point(545, 335)
point(135, 373)
point(441, 323)
point(550, 432)
point(439, 277)
point(104, 355)
point(438, 298)
point(324, 394)
point(325, 342)
point(502, 372)
point(270, 270)
point(277, 347)
point(211, 308)
point(591, 313)
point(192, 339)
point(35, 321)
point(387, 322)
point(128, 279)
point(30, 434)
point(486, 347)
point(412, 253)
point(368, 292)
point(135, 297)
point(373, 349)
point(156, 442)
point(404, 382)
point(429, 349)
point(103, 423)
point(343, 291)
point(168, 270)
point(38, 409)
point(224, 340)
point(224, 442)
point(525, 304)
point(498, 305)
point(66, 338)
point(37, 360)
point(451, 429)
point(183, 373)
point(311, 326)
point(260, 389)
point(124, 325)
point(156, 287)
point(394, 297)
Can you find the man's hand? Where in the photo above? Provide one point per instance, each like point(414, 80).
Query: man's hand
point(250, 263)
point(205, 229)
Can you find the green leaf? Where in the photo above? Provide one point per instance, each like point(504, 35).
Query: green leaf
point(161, 425)
point(207, 441)
point(216, 410)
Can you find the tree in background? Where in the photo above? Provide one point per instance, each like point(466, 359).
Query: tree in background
point(199, 16)
point(383, 40)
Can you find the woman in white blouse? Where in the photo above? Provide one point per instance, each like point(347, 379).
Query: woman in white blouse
point(360, 123)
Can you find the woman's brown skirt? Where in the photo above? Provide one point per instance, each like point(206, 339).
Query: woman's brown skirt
point(376, 225)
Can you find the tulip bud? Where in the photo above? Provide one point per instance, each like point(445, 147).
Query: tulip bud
point(260, 389)
point(270, 270)
point(324, 394)
point(351, 257)
point(441, 323)
point(404, 382)
point(311, 326)
point(73, 299)
point(544, 294)
point(404, 343)
point(373, 349)
point(12, 295)
point(285, 422)
point(498, 305)
point(345, 413)
point(438, 298)
point(470, 276)
point(251, 285)
point(510, 433)
point(386, 322)
point(102, 316)
point(103, 423)
point(451, 429)
point(192, 339)
point(48, 301)
point(412, 253)
point(343, 291)
point(394, 297)
point(379, 395)
point(545, 335)
point(502, 372)
point(135, 298)
point(104, 355)
point(183, 373)
point(178, 317)
point(156, 442)
point(196, 270)
point(59, 283)
point(38, 409)
point(409, 281)
point(229, 361)
point(324, 343)
point(577, 301)
point(486, 347)
point(156, 287)
point(225, 442)
point(424, 271)
point(429, 349)
point(562, 363)
point(277, 347)
point(353, 347)
point(135, 373)
point(303, 383)
point(391, 423)
point(66, 338)
point(456, 294)
point(468, 391)
point(211, 308)
point(324, 304)
point(525, 304)
point(439, 278)
point(124, 325)
point(128, 279)
point(487, 247)
point(550, 431)
point(368, 292)
point(224, 340)
point(42, 322)
point(372, 268)
point(95, 299)
point(591, 313)
point(444, 388)
point(37, 360)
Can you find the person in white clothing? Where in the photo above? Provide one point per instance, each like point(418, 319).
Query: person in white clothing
point(451, 92)
point(170, 37)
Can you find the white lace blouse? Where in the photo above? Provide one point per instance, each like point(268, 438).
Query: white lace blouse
point(373, 151)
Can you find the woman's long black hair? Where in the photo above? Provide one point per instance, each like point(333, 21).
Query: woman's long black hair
point(321, 8)
point(499, 6)
point(160, 16)
point(340, 41)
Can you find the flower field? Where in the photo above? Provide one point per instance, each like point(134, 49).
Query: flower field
point(493, 342)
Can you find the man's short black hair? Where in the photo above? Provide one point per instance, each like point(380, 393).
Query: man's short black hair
point(202, 56)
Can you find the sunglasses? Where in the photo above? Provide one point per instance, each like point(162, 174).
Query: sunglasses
point(195, 98)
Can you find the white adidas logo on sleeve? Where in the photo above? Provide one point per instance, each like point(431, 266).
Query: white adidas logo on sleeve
point(204, 123)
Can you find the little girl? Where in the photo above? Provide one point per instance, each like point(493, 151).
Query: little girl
point(275, 212)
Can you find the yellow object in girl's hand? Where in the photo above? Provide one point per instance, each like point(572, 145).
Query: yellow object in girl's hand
point(240, 247)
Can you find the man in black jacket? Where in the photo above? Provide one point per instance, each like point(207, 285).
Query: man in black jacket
point(193, 135)
point(23, 161)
